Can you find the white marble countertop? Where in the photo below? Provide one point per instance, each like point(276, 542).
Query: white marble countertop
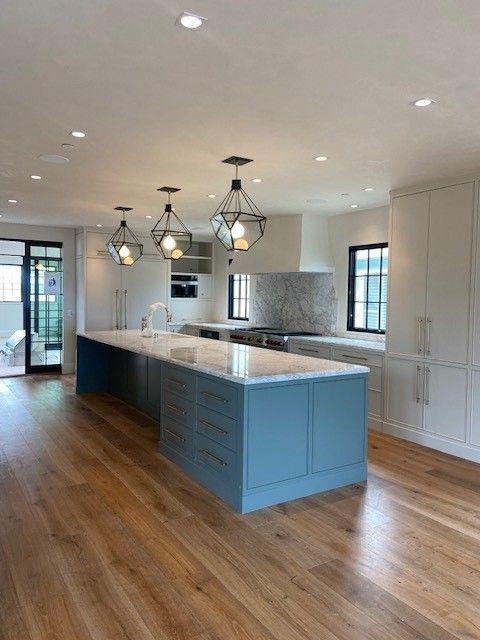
point(218, 326)
point(227, 360)
point(354, 343)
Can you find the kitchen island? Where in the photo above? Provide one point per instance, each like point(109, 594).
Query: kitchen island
point(257, 427)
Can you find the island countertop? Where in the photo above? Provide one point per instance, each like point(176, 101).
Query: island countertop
point(235, 362)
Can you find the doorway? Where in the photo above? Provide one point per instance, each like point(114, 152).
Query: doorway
point(32, 276)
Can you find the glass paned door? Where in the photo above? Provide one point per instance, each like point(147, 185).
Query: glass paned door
point(44, 315)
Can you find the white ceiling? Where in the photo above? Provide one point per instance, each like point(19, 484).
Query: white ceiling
point(279, 81)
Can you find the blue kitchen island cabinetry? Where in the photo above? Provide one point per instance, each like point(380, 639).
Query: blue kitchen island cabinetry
point(257, 428)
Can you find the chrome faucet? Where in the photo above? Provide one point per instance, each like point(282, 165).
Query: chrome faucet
point(147, 325)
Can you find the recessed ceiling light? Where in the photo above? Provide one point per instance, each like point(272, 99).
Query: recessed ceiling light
point(344, 195)
point(148, 217)
point(53, 158)
point(13, 201)
point(36, 177)
point(320, 158)
point(211, 195)
point(190, 20)
point(98, 225)
point(423, 102)
point(256, 179)
point(68, 146)
point(369, 189)
point(76, 133)
point(354, 206)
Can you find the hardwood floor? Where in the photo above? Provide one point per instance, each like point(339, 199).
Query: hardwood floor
point(102, 538)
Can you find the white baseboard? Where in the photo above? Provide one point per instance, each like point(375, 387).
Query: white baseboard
point(68, 367)
point(459, 449)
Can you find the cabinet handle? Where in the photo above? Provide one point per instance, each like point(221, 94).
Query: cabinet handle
point(176, 435)
point(417, 385)
point(177, 382)
point(117, 323)
point(427, 386)
point(173, 407)
point(207, 394)
point(428, 326)
point(346, 355)
point(219, 461)
point(214, 427)
point(307, 350)
point(419, 336)
point(125, 310)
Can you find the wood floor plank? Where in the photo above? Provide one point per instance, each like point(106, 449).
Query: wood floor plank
point(102, 538)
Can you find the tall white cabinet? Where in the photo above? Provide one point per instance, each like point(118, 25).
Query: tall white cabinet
point(430, 371)
point(111, 296)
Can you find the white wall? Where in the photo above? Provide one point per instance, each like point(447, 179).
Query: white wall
point(67, 237)
point(361, 227)
point(11, 318)
point(326, 244)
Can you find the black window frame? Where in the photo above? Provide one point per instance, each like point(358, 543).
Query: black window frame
point(351, 287)
point(231, 299)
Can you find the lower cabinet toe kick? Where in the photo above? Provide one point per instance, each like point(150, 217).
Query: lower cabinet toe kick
point(256, 427)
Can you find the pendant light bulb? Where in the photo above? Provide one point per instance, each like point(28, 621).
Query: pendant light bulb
point(176, 254)
point(238, 230)
point(169, 243)
point(124, 251)
point(128, 261)
point(240, 244)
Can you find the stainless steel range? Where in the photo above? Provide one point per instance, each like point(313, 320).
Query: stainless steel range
point(266, 337)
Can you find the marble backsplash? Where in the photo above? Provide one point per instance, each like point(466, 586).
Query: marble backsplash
point(295, 302)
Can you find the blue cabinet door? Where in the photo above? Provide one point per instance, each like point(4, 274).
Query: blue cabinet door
point(338, 423)
point(277, 434)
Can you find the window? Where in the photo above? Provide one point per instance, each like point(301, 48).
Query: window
point(367, 288)
point(238, 296)
point(10, 283)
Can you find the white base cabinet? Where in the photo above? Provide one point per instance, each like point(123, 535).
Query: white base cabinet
point(375, 362)
point(427, 397)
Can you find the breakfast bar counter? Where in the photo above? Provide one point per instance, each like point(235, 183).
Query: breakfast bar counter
point(257, 427)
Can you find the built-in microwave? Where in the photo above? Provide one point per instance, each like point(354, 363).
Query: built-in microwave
point(184, 286)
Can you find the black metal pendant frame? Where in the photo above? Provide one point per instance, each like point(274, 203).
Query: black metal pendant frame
point(124, 246)
point(238, 222)
point(171, 237)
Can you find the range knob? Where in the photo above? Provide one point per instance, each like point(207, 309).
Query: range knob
point(250, 339)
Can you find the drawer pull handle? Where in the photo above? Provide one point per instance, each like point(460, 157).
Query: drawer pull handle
point(213, 396)
point(344, 355)
point(307, 350)
point(176, 435)
point(182, 385)
point(173, 407)
point(213, 427)
point(219, 461)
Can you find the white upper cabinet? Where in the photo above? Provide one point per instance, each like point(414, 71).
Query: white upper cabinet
point(408, 274)
point(431, 237)
point(448, 277)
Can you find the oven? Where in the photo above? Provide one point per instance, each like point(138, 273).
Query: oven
point(184, 286)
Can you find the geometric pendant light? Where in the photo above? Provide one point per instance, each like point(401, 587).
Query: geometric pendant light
point(124, 246)
point(170, 235)
point(237, 222)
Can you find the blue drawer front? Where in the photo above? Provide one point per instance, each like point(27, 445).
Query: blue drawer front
point(217, 396)
point(216, 458)
point(180, 382)
point(177, 436)
point(217, 427)
point(179, 409)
